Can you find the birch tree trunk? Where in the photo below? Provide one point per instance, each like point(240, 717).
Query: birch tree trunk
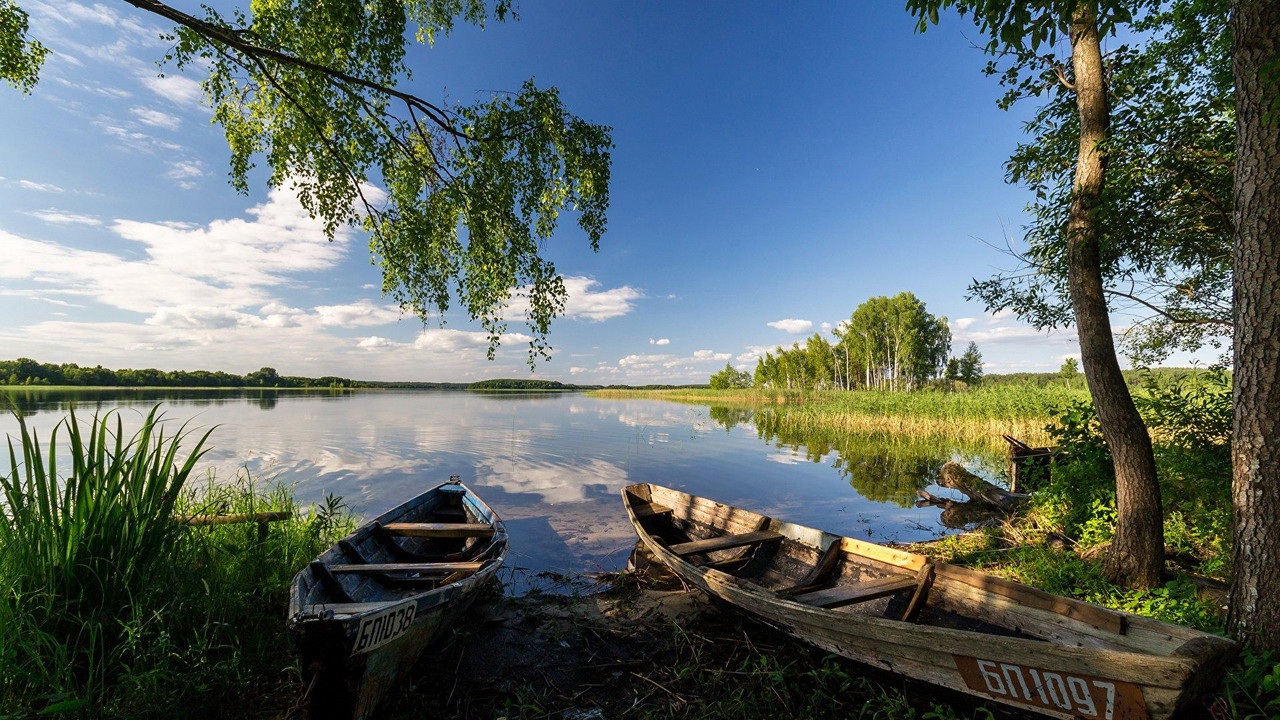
point(1136, 557)
point(1254, 614)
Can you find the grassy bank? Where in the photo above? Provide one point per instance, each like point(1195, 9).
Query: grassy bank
point(980, 415)
point(113, 607)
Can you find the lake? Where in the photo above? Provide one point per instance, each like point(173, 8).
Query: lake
point(551, 465)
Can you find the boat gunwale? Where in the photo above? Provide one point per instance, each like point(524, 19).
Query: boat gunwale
point(996, 647)
point(297, 619)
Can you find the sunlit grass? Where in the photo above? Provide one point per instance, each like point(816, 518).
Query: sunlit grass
point(109, 601)
point(980, 415)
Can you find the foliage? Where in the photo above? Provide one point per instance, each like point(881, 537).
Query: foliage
point(1252, 688)
point(20, 58)
point(166, 620)
point(1165, 216)
point(25, 371)
point(468, 194)
point(518, 384)
point(969, 367)
point(888, 344)
point(1190, 420)
point(730, 379)
point(76, 550)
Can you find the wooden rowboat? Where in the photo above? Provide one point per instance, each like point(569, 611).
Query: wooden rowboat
point(943, 624)
point(363, 612)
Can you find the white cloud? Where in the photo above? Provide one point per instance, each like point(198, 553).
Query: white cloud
point(792, 326)
point(184, 170)
point(39, 186)
point(705, 355)
point(156, 118)
point(585, 301)
point(179, 90)
point(226, 264)
point(62, 217)
point(362, 313)
point(201, 317)
point(445, 340)
point(659, 341)
point(963, 323)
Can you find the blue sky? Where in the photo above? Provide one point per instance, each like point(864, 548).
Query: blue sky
point(776, 164)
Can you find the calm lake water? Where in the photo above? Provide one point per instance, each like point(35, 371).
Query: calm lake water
point(551, 465)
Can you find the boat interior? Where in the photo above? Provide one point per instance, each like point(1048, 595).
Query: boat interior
point(433, 541)
point(787, 562)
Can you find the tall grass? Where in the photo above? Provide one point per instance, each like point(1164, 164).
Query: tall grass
point(980, 415)
point(111, 606)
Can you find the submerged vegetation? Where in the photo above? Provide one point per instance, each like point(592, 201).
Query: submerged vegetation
point(112, 606)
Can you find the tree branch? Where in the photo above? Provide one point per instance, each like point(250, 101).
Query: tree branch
point(1168, 315)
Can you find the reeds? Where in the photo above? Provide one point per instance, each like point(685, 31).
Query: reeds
point(980, 416)
point(109, 601)
point(88, 539)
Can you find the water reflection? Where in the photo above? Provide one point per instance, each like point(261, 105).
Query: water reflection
point(550, 464)
point(881, 467)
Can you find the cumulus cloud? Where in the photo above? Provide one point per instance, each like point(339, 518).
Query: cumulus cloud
point(226, 264)
point(659, 341)
point(362, 313)
point(584, 300)
point(705, 355)
point(792, 326)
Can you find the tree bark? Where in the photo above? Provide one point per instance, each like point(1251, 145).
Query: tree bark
point(1254, 614)
point(1136, 557)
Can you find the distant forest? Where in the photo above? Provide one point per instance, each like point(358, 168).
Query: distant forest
point(25, 371)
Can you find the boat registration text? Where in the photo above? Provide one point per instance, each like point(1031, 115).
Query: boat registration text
point(1079, 695)
point(384, 626)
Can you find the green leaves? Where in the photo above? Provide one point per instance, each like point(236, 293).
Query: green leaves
point(469, 194)
point(20, 58)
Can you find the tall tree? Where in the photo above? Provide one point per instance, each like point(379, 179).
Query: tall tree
point(1166, 206)
point(471, 192)
point(1254, 615)
point(1021, 32)
point(969, 368)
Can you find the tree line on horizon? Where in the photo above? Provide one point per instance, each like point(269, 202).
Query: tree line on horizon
point(25, 371)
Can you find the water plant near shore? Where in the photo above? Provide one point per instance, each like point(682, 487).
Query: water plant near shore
point(978, 416)
point(110, 605)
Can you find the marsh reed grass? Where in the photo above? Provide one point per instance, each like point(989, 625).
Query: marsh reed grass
point(978, 416)
point(110, 606)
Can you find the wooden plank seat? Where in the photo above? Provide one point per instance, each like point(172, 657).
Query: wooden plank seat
point(442, 568)
point(724, 542)
point(650, 510)
point(861, 592)
point(441, 530)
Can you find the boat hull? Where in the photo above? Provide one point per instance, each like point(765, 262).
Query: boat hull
point(353, 653)
point(1050, 655)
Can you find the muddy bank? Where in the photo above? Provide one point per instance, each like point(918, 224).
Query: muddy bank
point(640, 645)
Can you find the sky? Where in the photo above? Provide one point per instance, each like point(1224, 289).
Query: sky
point(776, 165)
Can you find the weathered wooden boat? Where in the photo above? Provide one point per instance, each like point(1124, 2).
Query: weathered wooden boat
point(935, 622)
point(363, 612)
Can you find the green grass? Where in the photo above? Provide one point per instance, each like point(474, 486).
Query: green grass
point(112, 607)
point(979, 416)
